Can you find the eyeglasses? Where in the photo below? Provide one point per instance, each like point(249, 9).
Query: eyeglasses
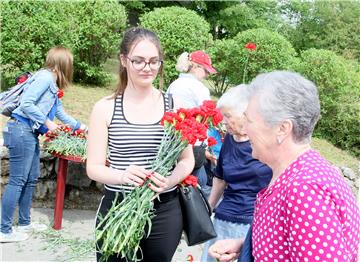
point(140, 64)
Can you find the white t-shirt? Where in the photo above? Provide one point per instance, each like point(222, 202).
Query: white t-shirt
point(189, 90)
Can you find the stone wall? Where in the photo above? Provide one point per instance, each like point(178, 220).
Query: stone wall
point(83, 193)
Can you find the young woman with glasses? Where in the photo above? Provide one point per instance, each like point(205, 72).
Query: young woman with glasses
point(127, 125)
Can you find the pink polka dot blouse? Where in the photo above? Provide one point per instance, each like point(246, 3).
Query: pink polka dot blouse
point(308, 214)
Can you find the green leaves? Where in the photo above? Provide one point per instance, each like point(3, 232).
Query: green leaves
point(30, 28)
point(338, 82)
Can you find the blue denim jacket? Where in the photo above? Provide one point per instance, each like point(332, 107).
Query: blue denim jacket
point(38, 99)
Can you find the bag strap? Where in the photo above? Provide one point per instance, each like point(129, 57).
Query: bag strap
point(171, 101)
point(205, 200)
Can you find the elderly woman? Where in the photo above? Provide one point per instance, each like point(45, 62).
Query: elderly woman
point(238, 176)
point(307, 213)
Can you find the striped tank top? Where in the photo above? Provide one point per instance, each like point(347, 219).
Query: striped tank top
point(132, 144)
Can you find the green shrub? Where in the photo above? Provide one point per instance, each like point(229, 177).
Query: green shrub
point(30, 28)
point(97, 38)
point(236, 64)
point(179, 30)
point(339, 89)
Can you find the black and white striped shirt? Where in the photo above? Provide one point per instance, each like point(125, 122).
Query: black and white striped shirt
point(132, 144)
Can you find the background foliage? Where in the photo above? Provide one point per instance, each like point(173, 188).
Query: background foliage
point(180, 30)
point(236, 64)
point(289, 34)
point(30, 28)
point(339, 89)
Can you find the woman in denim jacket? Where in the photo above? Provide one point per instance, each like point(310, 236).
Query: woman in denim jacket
point(39, 105)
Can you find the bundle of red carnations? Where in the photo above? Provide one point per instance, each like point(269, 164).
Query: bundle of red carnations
point(121, 230)
point(63, 141)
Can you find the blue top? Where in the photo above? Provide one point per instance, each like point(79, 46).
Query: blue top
point(245, 177)
point(39, 98)
point(215, 150)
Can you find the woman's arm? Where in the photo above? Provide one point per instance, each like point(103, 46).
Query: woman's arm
point(217, 190)
point(65, 118)
point(183, 168)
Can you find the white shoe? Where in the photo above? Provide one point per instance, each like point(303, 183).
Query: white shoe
point(34, 226)
point(13, 237)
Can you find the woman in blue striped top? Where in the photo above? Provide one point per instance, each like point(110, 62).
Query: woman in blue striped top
point(127, 124)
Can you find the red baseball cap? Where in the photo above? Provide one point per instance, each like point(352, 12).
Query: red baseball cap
point(201, 58)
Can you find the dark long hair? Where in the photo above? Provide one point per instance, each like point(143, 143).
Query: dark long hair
point(131, 37)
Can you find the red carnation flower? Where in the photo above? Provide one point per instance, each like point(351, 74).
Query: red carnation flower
point(60, 93)
point(250, 46)
point(211, 141)
point(190, 180)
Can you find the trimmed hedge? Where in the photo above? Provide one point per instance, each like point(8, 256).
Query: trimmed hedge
point(339, 89)
point(180, 30)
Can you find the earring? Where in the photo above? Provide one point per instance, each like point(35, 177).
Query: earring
point(278, 140)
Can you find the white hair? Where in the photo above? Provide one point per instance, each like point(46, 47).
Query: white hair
point(236, 98)
point(287, 95)
point(183, 64)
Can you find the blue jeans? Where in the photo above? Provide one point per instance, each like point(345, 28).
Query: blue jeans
point(201, 176)
point(224, 230)
point(24, 153)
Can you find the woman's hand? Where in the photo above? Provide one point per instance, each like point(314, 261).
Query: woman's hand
point(159, 183)
point(226, 250)
point(212, 158)
point(134, 175)
point(51, 125)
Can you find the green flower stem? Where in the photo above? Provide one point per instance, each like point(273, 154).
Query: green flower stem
point(245, 68)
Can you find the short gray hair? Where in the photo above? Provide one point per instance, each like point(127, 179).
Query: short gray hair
point(236, 98)
point(288, 95)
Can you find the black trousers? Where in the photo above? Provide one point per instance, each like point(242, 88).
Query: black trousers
point(165, 232)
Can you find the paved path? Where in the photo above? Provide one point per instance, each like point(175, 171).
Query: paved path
point(72, 243)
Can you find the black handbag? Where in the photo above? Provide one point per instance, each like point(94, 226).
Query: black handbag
point(196, 212)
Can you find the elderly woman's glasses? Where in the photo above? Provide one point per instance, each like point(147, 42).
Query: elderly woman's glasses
point(140, 64)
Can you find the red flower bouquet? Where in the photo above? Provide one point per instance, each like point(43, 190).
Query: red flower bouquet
point(64, 142)
point(121, 230)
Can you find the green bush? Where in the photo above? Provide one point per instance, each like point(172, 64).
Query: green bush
point(97, 38)
point(31, 28)
point(339, 88)
point(179, 30)
point(236, 64)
